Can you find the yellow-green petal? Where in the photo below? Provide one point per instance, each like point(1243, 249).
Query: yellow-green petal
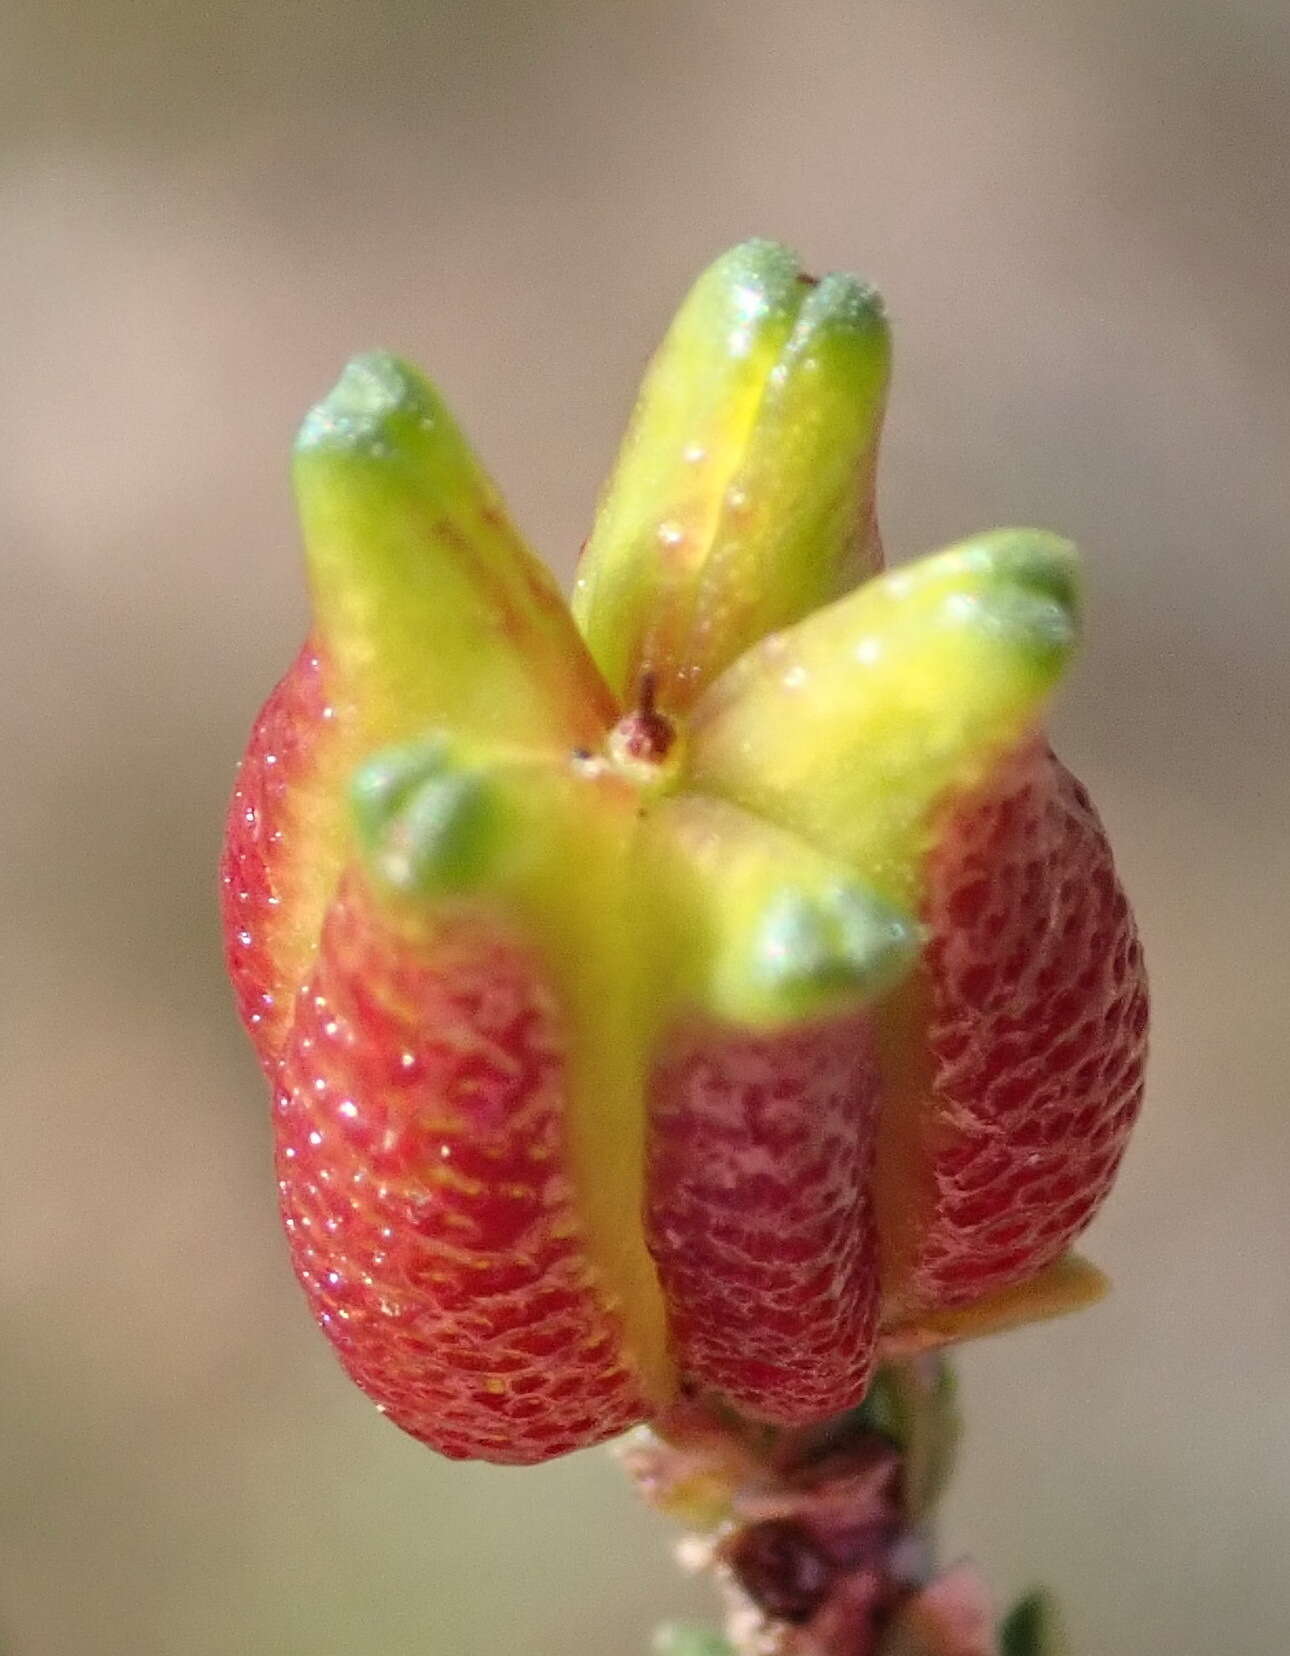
point(851, 727)
point(756, 928)
point(743, 495)
point(430, 607)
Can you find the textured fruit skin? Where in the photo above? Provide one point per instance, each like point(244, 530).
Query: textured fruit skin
point(420, 1162)
point(1036, 1016)
point(257, 888)
point(760, 1217)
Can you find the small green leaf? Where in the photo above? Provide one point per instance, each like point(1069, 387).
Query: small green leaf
point(683, 1639)
point(1034, 1627)
point(915, 1405)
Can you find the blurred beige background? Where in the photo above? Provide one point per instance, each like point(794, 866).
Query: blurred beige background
point(1081, 217)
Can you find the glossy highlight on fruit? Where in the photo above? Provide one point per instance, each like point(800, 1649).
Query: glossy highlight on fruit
point(701, 989)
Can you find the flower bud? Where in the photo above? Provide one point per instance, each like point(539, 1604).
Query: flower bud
point(705, 996)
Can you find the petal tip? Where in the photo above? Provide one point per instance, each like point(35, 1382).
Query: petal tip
point(1023, 586)
point(847, 303)
point(423, 820)
point(818, 951)
point(374, 389)
point(760, 265)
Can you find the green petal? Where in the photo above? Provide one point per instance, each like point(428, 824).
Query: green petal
point(743, 496)
point(853, 726)
point(757, 928)
point(430, 607)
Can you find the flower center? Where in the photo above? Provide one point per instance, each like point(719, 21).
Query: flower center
point(645, 744)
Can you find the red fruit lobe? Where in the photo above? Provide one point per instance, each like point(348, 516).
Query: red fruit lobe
point(263, 868)
point(759, 1214)
point(422, 1172)
point(1035, 1005)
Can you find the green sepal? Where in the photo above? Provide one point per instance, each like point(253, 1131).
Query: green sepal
point(852, 727)
point(743, 495)
point(1034, 1627)
point(428, 605)
point(757, 928)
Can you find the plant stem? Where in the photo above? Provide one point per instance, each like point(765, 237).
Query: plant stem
point(820, 1538)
